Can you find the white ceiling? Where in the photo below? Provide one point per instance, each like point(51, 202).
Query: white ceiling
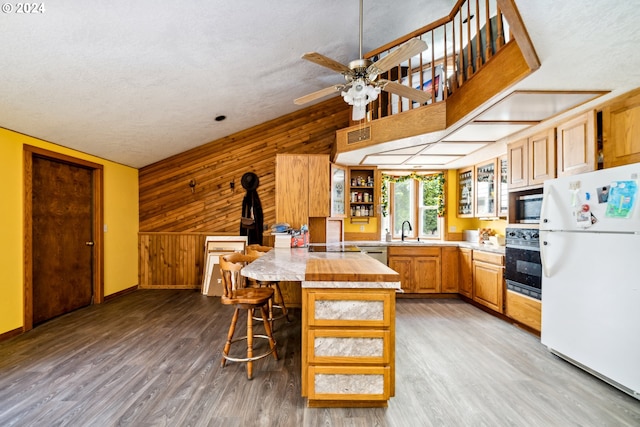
point(138, 81)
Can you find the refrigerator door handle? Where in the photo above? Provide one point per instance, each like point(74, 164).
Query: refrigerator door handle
point(543, 258)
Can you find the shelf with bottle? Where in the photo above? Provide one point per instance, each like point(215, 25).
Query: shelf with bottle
point(465, 192)
point(362, 193)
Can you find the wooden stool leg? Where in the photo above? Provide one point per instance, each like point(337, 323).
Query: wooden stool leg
point(232, 329)
point(278, 294)
point(249, 343)
point(267, 328)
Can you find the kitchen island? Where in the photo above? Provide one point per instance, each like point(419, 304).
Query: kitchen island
point(348, 323)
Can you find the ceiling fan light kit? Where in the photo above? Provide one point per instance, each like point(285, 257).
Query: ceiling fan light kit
point(361, 74)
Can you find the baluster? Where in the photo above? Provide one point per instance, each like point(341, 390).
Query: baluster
point(445, 67)
point(488, 50)
point(469, 50)
point(479, 46)
point(461, 55)
point(500, 40)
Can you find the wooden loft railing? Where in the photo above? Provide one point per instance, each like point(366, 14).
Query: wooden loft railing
point(455, 53)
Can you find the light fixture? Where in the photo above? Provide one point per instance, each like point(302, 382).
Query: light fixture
point(359, 95)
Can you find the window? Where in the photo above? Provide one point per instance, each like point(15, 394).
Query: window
point(416, 199)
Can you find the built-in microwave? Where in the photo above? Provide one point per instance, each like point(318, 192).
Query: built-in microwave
point(528, 208)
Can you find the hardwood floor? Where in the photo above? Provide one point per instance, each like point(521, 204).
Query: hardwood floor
point(152, 358)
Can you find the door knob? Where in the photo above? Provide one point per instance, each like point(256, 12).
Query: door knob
point(88, 243)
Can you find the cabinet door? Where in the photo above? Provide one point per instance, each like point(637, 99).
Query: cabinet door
point(502, 198)
point(620, 130)
point(426, 274)
point(292, 184)
point(339, 190)
point(576, 145)
point(542, 157)
point(450, 269)
point(465, 278)
point(518, 163)
point(485, 187)
point(487, 285)
point(319, 191)
point(403, 265)
point(465, 192)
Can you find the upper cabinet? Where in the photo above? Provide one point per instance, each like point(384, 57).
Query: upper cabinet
point(338, 191)
point(576, 145)
point(302, 188)
point(486, 184)
point(621, 130)
point(465, 192)
point(532, 160)
point(503, 186)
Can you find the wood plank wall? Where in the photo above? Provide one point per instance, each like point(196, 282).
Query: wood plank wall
point(174, 219)
point(168, 204)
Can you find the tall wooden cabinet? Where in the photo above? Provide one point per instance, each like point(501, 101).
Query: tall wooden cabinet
point(302, 188)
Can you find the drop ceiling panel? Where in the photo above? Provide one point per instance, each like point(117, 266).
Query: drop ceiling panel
point(431, 160)
point(488, 132)
point(453, 148)
point(386, 159)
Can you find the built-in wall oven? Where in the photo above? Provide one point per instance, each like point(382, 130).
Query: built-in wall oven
point(523, 269)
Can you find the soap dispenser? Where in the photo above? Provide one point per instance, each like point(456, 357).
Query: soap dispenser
point(388, 236)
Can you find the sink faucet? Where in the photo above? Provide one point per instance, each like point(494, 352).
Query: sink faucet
point(410, 229)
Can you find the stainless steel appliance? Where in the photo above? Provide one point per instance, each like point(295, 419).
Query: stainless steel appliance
point(523, 267)
point(376, 252)
point(527, 208)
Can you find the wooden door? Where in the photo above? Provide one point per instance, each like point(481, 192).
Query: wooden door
point(621, 128)
point(465, 284)
point(487, 285)
point(319, 188)
point(62, 224)
point(292, 189)
point(403, 265)
point(450, 269)
point(517, 154)
point(426, 275)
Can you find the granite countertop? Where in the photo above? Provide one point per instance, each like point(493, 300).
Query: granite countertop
point(460, 244)
point(291, 264)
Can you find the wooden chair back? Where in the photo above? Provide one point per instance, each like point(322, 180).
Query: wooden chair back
point(230, 266)
point(258, 250)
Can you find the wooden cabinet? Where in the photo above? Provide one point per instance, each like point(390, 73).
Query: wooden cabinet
point(576, 145)
point(302, 188)
point(466, 192)
point(450, 269)
point(502, 199)
point(338, 191)
point(364, 192)
point(524, 309)
point(465, 273)
point(488, 279)
point(420, 268)
point(485, 189)
point(348, 346)
point(532, 160)
point(621, 131)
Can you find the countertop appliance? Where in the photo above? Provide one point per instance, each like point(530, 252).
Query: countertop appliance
point(590, 252)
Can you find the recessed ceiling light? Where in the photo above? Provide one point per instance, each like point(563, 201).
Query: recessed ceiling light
point(220, 118)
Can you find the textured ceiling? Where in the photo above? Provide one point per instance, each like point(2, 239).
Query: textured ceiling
point(136, 82)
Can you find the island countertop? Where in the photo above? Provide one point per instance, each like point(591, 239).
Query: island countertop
point(350, 269)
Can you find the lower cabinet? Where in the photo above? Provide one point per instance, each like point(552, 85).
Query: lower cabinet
point(524, 309)
point(465, 274)
point(488, 280)
point(419, 268)
point(348, 346)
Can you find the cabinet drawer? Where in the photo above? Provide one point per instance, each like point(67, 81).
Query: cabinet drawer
point(489, 257)
point(349, 346)
point(414, 250)
point(349, 382)
point(372, 309)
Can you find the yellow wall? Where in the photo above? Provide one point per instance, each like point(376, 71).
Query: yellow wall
point(120, 216)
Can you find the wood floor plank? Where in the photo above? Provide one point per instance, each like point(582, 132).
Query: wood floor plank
point(152, 358)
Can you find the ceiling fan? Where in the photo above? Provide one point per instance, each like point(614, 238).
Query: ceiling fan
point(362, 85)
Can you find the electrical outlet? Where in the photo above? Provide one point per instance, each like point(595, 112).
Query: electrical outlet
point(452, 229)
point(362, 228)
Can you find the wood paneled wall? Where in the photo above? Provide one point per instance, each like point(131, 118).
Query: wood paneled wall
point(168, 204)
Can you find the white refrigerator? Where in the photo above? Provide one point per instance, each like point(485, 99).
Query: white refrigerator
point(590, 252)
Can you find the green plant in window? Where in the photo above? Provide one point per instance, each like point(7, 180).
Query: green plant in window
point(434, 186)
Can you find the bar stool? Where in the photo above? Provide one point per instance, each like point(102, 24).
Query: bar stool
point(278, 300)
point(235, 293)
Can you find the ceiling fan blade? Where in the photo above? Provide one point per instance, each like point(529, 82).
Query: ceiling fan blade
point(326, 62)
point(404, 91)
point(401, 54)
point(319, 94)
